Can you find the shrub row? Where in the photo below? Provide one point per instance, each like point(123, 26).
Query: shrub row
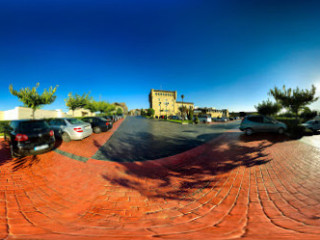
point(3, 125)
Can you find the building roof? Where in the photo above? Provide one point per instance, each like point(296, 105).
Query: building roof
point(163, 91)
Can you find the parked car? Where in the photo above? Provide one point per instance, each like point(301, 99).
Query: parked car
point(70, 128)
point(110, 125)
point(175, 117)
point(29, 137)
point(313, 125)
point(259, 123)
point(98, 124)
point(113, 118)
point(205, 119)
point(222, 119)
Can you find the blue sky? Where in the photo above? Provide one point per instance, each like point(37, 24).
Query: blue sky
point(223, 54)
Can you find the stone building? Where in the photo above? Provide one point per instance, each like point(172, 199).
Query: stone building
point(123, 106)
point(214, 113)
point(165, 102)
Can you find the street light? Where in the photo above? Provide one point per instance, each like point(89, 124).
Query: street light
point(182, 115)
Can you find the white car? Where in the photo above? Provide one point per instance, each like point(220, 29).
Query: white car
point(205, 119)
point(222, 120)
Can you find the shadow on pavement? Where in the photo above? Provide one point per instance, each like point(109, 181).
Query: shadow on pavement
point(20, 162)
point(147, 146)
point(270, 137)
point(193, 171)
point(4, 153)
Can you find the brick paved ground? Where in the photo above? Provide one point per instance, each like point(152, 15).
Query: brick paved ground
point(232, 187)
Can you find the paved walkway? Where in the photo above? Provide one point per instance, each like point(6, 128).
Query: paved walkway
point(232, 187)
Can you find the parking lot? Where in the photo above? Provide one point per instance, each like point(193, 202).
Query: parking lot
point(140, 139)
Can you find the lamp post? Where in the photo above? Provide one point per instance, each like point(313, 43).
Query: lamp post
point(182, 115)
point(160, 110)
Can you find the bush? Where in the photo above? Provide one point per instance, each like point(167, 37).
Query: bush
point(196, 119)
point(3, 125)
point(294, 130)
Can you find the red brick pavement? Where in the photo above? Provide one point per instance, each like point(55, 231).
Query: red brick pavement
point(88, 146)
point(232, 187)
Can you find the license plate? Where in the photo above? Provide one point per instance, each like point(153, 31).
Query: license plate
point(41, 147)
point(86, 127)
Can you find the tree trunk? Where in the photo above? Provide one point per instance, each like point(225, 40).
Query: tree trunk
point(33, 113)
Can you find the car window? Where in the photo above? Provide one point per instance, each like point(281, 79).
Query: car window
point(74, 121)
point(31, 126)
point(268, 120)
point(257, 119)
point(13, 124)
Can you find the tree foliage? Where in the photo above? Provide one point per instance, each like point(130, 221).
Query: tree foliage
point(151, 112)
point(268, 108)
point(91, 106)
point(119, 111)
point(190, 115)
point(104, 107)
point(294, 99)
point(32, 99)
point(77, 101)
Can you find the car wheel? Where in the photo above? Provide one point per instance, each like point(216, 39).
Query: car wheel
point(65, 137)
point(281, 131)
point(248, 131)
point(97, 130)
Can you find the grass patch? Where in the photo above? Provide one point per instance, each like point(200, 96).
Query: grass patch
point(179, 121)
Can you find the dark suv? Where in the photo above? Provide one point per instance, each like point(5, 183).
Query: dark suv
point(29, 137)
point(98, 124)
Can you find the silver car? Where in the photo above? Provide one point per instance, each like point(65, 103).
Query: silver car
point(313, 125)
point(70, 128)
point(260, 123)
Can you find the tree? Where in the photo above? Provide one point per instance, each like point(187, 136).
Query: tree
point(119, 111)
point(32, 99)
point(268, 108)
point(190, 115)
point(104, 107)
point(308, 114)
point(91, 106)
point(183, 109)
point(294, 99)
point(151, 112)
point(77, 101)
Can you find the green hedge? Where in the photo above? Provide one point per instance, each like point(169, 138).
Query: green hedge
point(3, 125)
point(294, 130)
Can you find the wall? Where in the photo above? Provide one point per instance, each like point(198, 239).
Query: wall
point(26, 113)
point(167, 100)
point(81, 112)
point(12, 114)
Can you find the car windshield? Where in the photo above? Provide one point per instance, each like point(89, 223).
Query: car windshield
point(310, 122)
point(103, 119)
point(74, 121)
point(31, 126)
